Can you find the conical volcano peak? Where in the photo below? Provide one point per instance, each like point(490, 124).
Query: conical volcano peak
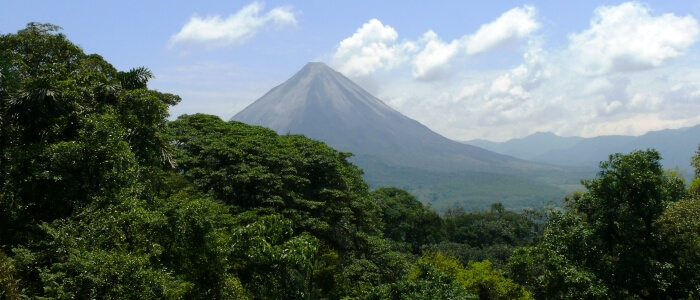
point(315, 99)
point(319, 70)
point(316, 69)
point(316, 65)
point(323, 104)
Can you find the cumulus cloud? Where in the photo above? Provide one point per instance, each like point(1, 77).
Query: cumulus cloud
point(431, 63)
point(584, 88)
point(628, 38)
point(510, 27)
point(510, 96)
point(375, 46)
point(234, 29)
point(683, 101)
point(468, 92)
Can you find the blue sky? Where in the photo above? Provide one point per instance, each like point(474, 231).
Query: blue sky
point(466, 69)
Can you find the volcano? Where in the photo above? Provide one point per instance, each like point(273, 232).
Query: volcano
point(323, 104)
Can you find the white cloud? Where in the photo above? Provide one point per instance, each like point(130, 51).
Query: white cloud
point(583, 89)
point(681, 102)
point(371, 48)
point(512, 96)
point(234, 29)
point(467, 92)
point(375, 46)
point(628, 38)
point(645, 102)
point(510, 27)
point(432, 62)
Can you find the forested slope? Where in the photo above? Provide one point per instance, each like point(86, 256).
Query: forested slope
point(102, 197)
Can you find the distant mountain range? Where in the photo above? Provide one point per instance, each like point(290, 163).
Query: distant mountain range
point(393, 149)
point(676, 146)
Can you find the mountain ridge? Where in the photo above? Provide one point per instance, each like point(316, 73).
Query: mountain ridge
point(676, 146)
point(529, 147)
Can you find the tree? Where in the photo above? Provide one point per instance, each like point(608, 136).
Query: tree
point(407, 220)
point(9, 287)
point(485, 235)
point(558, 265)
point(42, 108)
point(678, 230)
point(478, 278)
point(630, 193)
point(694, 189)
point(605, 244)
point(136, 78)
point(69, 137)
point(314, 186)
point(427, 283)
point(76, 153)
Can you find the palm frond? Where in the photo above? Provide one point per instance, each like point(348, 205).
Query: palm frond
point(136, 78)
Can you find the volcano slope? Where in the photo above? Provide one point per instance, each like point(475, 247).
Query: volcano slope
point(395, 150)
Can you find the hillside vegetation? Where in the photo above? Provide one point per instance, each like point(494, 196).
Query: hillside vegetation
point(101, 197)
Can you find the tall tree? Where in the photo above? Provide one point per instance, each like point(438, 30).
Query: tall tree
point(72, 135)
point(608, 235)
point(253, 169)
point(678, 230)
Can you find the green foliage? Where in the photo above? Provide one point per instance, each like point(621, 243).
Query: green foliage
point(631, 191)
point(9, 287)
point(313, 186)
point(694, 189)
point(678, 229)
point(485, 235)
point(86, 210)
point(491, 284)
point(695, 162)
point(606, 245)
point(486, 228)
point(555, 267)
point(271, 261)
point(101, 255)
point(498, 254)
point(428, 283)
point(406, 220)
point(70, 137)
point(136, 78)
point(479, 278)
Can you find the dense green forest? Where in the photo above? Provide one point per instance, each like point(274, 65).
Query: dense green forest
point(101, 197)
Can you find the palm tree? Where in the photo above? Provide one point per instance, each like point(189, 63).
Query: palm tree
point(135, 78)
